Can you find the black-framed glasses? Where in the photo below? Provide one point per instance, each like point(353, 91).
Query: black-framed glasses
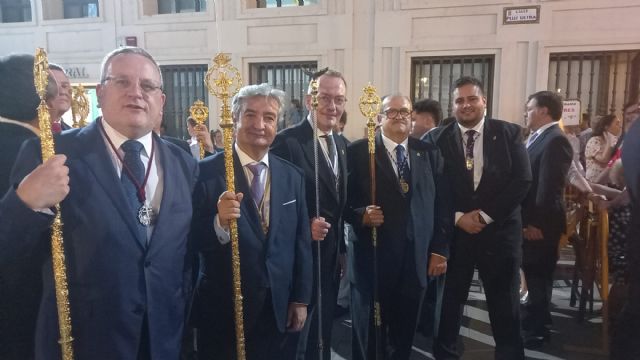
point(121, 82)
point(394, 113)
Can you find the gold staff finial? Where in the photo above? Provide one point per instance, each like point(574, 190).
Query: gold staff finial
point(223, 81)
point(79, 106)
point(199, 112)
point(40, 77)
point(370, 107)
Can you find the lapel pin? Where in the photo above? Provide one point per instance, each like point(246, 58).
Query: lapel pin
point(494, 137)
point(342, 150)
point(419, 154)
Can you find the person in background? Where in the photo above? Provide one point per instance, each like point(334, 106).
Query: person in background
point(600, 146)
point(58, 100)
point(199, 134)
point(426, 115)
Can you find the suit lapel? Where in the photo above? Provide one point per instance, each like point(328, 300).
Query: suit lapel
point(342, 169)
point(167, 163)
point(325, 174)
point(277, 195)
point(248, 209)
point(456, 148)
point(383, 163)
point(96, 156)
point(418, 166)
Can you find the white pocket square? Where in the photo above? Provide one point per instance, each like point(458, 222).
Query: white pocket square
point(289, 202)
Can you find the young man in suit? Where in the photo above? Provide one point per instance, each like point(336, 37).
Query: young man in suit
point(414, 223)
point(543, 211)
point(296, 145)
point(273, 231)
point(487, 166)
point(126, 218)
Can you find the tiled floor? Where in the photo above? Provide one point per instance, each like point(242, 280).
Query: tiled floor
point(571, 340)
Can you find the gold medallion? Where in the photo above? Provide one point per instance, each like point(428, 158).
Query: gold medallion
point(404, 186)
point(469, 163)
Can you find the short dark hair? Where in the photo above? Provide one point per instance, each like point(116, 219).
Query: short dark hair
point(343, 118)
point(469, 80)
point(550, 100)
point(329, 73)
point(602, 123)
point(429, 106)
point(54, 66)
point(18, 97)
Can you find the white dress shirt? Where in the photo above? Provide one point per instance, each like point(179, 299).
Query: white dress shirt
point(390, 146)
point(154, 186)
point(478, 161)
point(324, 146)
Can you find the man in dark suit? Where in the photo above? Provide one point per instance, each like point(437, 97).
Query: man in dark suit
point(273, 232)
point(543, 210)
point(19, 279)
point(414, 223)
point(624, 341)
point(487, 165)
point(126, 219)
point(296, 145)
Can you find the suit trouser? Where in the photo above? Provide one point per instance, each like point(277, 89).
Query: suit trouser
point(307, 347)
point(539, 260)
point(400, 306)
point(500, 278)
point(431, 305)
point(263, 340)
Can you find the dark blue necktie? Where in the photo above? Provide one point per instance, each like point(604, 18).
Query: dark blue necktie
point(133, 167)
point(401, 162)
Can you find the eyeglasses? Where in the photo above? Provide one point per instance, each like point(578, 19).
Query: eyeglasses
point(325, 100)
point(123, 83)
point(393, 113)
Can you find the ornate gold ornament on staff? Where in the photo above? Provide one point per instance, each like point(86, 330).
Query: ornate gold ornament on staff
point(223, 81)
point(370, 107)
point(40, 76)
point(200, 112)
point(79, 107)
point(314, 118)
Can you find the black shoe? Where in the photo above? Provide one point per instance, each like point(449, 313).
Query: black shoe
point(536, 342)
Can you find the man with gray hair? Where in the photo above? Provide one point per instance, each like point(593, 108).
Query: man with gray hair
point(124, 196)
point(275, 241)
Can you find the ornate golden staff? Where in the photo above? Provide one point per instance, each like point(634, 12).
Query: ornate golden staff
point(79, 107)
point(370, 107)
point(314, 118)
point(40, 74)
point(225, 84)
point(200, 112)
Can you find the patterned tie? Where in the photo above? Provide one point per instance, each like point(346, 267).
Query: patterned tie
point(532, 138)
point(257, 186)
point(401, 162)
point(133, 163)
point(330, 149)
point(56, 127)
point(468, 154)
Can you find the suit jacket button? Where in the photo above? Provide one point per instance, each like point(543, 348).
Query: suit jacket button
point(139, 310)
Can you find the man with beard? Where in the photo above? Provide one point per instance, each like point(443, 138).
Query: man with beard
point(487, 166)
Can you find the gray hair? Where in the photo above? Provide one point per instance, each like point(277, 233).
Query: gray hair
point(237, 104)
point(133, 50)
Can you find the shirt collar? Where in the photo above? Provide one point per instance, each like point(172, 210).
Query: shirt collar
point(391, 145)
point(478, 128)
point(20, 123)
point(544, 127)
point(117, 139)
point(245, 159)
point(320, 132)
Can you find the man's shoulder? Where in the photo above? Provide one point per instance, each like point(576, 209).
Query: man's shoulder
point(296, 131)
point(212, 166)
point(358, 145)
point(285, 166)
